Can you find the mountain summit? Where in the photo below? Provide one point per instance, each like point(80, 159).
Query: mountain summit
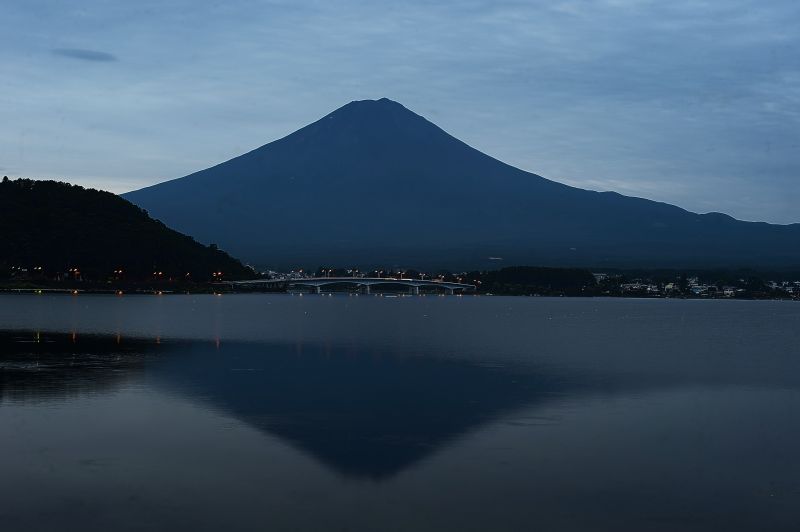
point(373, 183)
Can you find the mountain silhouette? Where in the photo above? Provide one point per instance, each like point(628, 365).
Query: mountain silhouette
point(375, 184)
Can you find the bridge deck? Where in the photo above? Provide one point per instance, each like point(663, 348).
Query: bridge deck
point(317, 282)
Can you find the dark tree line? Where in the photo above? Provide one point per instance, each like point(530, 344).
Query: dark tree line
point(533, 280)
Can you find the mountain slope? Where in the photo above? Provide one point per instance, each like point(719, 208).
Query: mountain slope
point(373, 183)
point(58, 227)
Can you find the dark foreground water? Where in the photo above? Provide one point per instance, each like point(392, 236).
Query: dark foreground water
point(315, 413)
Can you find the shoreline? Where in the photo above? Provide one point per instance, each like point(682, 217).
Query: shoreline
point(219, 290)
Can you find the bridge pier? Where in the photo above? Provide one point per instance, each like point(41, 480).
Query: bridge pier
point(317, 289)
point(366, 289)
point(413, 290)
point(449, 291)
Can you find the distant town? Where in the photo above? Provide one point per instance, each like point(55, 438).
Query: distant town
point(695, 286)
point(540, 281)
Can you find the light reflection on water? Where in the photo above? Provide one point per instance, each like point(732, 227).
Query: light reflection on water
point(289, 413)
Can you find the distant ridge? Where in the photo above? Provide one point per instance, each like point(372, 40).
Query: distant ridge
point(373, 183)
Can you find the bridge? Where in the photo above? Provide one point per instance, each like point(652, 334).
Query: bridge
point(364, 284)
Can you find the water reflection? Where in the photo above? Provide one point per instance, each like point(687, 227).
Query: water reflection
point(37, 367)
point(472, 415)
point(364, 415)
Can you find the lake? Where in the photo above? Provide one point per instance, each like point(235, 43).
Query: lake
point(369, 413)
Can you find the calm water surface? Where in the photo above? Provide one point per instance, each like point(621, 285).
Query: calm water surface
point(368, 413)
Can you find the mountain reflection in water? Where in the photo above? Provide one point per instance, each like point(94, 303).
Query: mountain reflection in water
point(366, 415)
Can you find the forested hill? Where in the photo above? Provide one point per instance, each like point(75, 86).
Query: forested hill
point(54, 228)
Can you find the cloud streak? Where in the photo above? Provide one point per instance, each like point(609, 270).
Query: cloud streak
point(84, 55)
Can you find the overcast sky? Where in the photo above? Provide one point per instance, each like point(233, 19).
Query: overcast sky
point(695, 103)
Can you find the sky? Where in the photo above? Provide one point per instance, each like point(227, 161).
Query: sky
point(695, 103)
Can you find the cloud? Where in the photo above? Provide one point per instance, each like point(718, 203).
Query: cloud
point(85, 55)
